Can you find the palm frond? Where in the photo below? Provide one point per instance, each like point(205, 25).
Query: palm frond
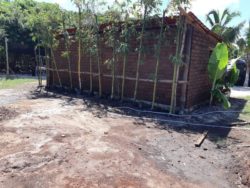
point(230, 16)
point(213, 17)
point(231, 34)
point(241, 44)
point(217, 28)
point(225, 13)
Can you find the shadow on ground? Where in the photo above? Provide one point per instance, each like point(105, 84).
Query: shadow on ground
point(216, 120)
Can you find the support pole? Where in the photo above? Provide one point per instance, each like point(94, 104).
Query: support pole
point(47, 67)
point(39, 67)
point(186, 66)
point(7, 57)
point(181, 36)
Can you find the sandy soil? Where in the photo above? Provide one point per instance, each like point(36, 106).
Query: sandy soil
point(57, 141)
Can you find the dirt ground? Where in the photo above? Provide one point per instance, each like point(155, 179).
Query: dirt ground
point(54, 141)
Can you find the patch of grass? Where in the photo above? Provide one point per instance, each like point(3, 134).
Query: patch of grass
point(14, 82)
point(245, 115)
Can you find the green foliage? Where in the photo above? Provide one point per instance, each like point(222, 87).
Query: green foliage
point(175, 4)
point(218, 62)
point(222, 75)
point(13, 19)
point(220, 22)
point(221, 97)
point(65, 54)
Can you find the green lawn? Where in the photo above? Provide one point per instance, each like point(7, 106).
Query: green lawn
point(12, 83)
point(246, 116)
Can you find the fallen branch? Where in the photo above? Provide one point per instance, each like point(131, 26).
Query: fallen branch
point(201, 139)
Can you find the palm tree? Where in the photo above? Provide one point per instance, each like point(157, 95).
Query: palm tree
point(219, 23)
point(242, 45)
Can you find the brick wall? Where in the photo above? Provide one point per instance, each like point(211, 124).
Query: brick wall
point(198, 88)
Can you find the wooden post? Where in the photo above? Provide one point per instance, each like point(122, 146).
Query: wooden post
point(124, 74)
point(125, 57)
point(158, 52)
point(90, 74)
point(186, 66)
point(140, 52)
point(181, 35)
point(36, 64)
point(98, 57)
point(113, 71)
point(56, 69)
point(47, 67)
point(39, 67)
point(7, 57)
point(79, 47)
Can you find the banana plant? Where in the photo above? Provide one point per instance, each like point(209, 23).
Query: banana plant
point(216, 68)
point(221, 74)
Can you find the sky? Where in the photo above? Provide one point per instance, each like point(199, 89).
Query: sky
point(199, 7)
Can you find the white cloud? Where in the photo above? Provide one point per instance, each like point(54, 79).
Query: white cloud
point(202, 7)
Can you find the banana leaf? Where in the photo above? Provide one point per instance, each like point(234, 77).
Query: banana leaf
point(218, 62)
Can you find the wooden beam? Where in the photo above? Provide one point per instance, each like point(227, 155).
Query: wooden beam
point(164, 81)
